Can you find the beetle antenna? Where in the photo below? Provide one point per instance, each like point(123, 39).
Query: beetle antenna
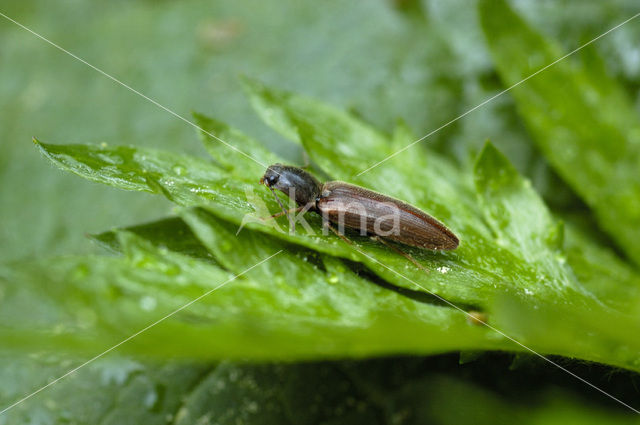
point(284, 210)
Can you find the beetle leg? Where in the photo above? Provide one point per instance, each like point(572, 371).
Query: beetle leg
point(401, 252)
point(337, 232)
point(287, 212)
point(284, 210)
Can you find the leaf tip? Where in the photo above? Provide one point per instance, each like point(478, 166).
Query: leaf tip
point(43, 148)
point(491, 165)
point(489, 154)
point(37, 143)
point(256, 90)
point(208, 124)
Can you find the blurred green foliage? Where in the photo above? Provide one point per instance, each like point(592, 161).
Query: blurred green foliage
point(579, 116)
point(562, 289)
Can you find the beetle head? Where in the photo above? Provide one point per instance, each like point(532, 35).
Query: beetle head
point(292, 181)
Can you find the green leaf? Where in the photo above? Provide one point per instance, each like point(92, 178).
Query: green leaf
point(109, 391)
point(438, 187)
point(510, 263)
point(518, 217)
point(184, 180)
point(519, 251)
point(600, 270)
point(122, 391)
point(188, 181)
point(170, 233)
point(579, 117)
point(412, 74)
point(295, 306)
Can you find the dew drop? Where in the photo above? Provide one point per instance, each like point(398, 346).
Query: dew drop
point(150, 399)
point(148, 303)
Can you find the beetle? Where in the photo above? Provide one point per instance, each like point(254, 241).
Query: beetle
point(358, 208)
